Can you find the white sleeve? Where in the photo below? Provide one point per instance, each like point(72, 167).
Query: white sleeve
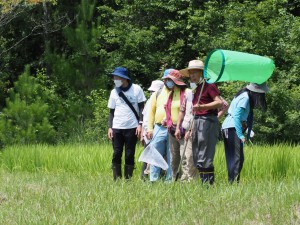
point(141, 96)
point(112, 100)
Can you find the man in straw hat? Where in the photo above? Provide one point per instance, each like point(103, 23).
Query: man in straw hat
point(205, 128)
point(240, 118)
point(126, 102)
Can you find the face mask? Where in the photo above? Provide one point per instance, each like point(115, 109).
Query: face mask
point(118, 83)
point(170, 84)
point(194, 85)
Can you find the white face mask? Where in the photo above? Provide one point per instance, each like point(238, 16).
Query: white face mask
point(118, 83)
point(194, 85)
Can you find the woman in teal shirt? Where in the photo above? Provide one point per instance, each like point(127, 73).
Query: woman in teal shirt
point(240, 118)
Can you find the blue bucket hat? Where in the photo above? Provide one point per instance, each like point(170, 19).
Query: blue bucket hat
point(121, 72)
point(166, 73)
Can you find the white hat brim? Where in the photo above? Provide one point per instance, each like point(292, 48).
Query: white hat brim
point(185, 72)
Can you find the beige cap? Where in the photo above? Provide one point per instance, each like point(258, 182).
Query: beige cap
point(194, 64)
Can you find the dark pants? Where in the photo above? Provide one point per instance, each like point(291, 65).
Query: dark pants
point(205, 137)
point(121, 138)
point(234, 154)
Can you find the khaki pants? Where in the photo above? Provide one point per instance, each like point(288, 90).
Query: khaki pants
point(189, 171)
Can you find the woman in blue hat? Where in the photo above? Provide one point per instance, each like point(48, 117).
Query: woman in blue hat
point(126, 103)
point(240, 118)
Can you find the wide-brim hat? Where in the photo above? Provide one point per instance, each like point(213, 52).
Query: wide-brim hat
point(121, 72)
point(176, 77)
point(258, 88)
point(166, 73)
point(194, 64)
point(156, 85)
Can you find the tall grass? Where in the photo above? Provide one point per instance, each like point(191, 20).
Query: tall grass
point(272, 161)
point(61, 158)
point(261, 161)
point(72, 184)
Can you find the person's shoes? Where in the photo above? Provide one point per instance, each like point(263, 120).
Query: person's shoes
point(117, 172)
point(128, 171)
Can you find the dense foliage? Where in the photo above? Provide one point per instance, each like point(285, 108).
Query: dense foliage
point(71, 46)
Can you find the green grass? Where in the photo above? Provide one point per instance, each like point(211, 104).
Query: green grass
point(261, 162)
point(72, 184)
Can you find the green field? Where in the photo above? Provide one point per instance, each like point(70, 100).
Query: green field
point(72, 184)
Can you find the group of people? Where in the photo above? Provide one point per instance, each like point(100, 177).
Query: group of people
point(181, 123)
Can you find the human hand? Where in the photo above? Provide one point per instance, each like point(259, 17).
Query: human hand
point(177, 134)
point(138, 131)
point(110, 133)
point(187, 135)
point(150, 135)
point(197, 107)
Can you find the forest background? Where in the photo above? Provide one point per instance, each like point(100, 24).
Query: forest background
point(55, 58)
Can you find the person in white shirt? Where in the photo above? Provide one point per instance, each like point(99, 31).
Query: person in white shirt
point(155, 87)
point(124, 121)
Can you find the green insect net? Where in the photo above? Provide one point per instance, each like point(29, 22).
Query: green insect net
point(225, 65)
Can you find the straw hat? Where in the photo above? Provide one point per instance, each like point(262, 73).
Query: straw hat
point(258, 88)
point(194, 64)
point(176, 77)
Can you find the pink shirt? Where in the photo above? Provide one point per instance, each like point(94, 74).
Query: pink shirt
point(210, 91)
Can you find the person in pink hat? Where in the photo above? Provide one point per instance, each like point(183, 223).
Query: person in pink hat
point(176, 103)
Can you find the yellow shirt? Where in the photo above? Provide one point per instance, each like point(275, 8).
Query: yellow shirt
point(175, 106)
point(157, 112)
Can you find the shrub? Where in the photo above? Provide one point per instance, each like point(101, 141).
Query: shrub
point(26, 117)
point(98, 125)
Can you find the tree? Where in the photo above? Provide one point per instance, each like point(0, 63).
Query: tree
point(27, 28)
point(80, 42)
point(79, 64)
point(25, 119)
